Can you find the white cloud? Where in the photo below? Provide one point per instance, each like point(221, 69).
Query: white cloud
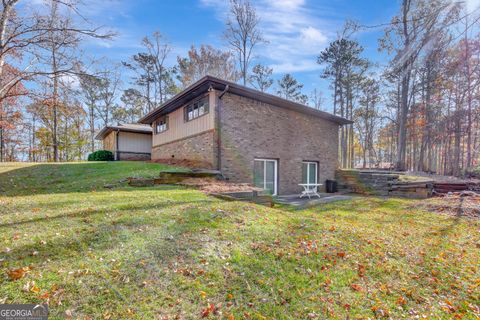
point(286, 4)
point(472, 5)
point(304, 65)
point(313, 35)
point(294, 33)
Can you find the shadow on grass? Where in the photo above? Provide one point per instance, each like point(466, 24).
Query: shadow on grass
point(51, 178)
point(456, 220)
point(89, 212)
point(91, 235)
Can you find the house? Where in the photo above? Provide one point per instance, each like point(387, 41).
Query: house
point(250, 136)
point(127, 141)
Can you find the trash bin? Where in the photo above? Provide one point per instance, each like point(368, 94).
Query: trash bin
point(331, 186)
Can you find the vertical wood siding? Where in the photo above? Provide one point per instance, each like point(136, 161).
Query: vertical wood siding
point(178, 128)
point(109, 142)
point(134, 142)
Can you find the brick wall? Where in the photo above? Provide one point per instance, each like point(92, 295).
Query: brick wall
point(199, 147)
point(252, 129)
point(133, 156)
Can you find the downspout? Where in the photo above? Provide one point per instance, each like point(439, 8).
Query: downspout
point(117, 154)
point(219, 125)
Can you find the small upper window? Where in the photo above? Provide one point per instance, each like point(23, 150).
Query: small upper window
point(196, 109)
point(161, 125)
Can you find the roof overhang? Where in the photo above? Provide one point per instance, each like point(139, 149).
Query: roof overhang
point(106, 131)
point(207, 82)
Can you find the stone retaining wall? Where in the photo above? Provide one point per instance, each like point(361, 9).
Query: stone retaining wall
point(382, 184)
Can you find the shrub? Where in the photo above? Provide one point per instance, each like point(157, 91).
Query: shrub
point(101, 155)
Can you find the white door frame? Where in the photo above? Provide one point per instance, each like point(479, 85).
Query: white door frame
point(275, 182)
point(308, 171)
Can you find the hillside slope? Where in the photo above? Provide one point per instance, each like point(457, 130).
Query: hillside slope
point(168, 252)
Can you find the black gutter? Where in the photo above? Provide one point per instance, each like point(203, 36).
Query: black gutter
point(219, 125)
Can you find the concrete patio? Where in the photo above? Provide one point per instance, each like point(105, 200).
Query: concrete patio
point(295, 199)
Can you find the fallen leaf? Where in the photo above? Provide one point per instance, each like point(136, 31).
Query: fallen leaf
point(361, 270)
point(35, 289)
point(16, 274)
point(208, 310)
point(356, 287)
point(45, 295)
point(401, 301)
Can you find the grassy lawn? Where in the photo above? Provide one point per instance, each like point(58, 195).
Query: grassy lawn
point(173, 253)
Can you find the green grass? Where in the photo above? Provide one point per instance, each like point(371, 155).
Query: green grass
point(31, 178)
point(171, 252)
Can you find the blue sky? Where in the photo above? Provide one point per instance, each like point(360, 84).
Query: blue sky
point(297, 30)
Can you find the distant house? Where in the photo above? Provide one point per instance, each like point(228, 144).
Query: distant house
point(250, 136)
point(127, 141)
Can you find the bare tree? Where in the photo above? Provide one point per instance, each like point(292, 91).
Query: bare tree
point(6, 15)
point(159, 51)
point(58, 46)
point(317, 99)
point(206, 61)
point(45, 41)
point(152, 75)
point(243, 33)
point(409, 33)
point(21, 32)
point(91, 96)
point(108, 94)
point(366, 119)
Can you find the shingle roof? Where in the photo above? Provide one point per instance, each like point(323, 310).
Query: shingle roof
point(128, 127)
point(202, 86)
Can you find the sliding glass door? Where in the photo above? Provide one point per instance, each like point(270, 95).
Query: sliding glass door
point(265, 175)
point(309, 172)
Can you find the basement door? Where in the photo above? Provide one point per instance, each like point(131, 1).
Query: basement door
point(265, 175)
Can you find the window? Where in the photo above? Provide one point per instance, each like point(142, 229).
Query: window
point(196, 109)
point(265, 174)
point(309, 172)
point(161, 125)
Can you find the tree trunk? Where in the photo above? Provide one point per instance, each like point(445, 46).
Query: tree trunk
point(55, 107)
point(402, 122)
point(405, 83)
point(4, 17)
point(469, 101)
point(92, 127)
